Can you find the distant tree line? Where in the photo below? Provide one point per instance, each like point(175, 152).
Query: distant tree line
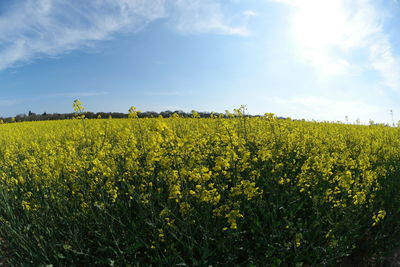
point(31, 116)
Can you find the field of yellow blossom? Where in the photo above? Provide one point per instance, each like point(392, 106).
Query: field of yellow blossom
point(190, 191)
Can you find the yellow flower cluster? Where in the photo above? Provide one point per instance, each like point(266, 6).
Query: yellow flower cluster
point(224, 164)
point(378, 217)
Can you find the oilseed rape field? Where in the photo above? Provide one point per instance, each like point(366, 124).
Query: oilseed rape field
point(231, 190)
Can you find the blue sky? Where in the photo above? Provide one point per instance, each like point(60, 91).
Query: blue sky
point(311, 59)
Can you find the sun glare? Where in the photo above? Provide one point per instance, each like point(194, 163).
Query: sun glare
point(320, 23)
point(320, 27)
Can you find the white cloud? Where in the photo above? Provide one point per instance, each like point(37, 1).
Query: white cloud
point(12, 102)
point(202, 16)
point(288, 2)
point(76, 94)
point(8, 102)
point(385, 62)
point(327, 33)
point(164, 93)
point(250, 13)
point(324, 108)
point(35, 28)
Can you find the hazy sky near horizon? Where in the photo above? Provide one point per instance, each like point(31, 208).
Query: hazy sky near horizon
point(312, 59)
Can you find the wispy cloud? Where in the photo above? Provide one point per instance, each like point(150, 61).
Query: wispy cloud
point(324, 108)
point(327, 33)
point(384, 61)
point(30, 29)
point(77, 94)
point(164, 93)
point(202, 16)
point(250, 13)
point(288, 2)
point(15, 101)
point(9, 102)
